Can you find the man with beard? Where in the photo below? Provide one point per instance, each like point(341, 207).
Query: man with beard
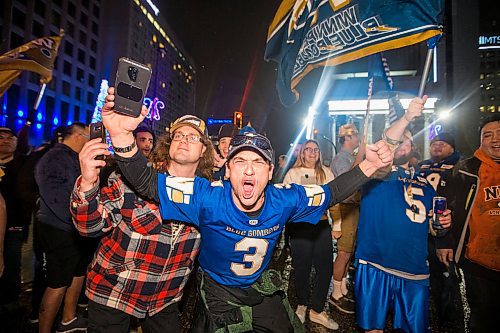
point(442, 278)
point(156, 268)
point(392, 272)
point(240, 221)
point(443, 158)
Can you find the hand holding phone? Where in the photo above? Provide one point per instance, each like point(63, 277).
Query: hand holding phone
point(97, 130)
point(132, 82)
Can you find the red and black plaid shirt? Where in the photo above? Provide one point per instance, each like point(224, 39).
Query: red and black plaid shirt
point(142, 264)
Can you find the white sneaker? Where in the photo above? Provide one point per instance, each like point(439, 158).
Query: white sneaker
point(323, 319)
point(301, 313)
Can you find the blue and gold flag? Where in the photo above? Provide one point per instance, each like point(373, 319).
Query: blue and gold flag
point(379, 67)
point(306, 34)
point(36, 56)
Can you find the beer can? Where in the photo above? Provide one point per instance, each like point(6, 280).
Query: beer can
point(438, 207)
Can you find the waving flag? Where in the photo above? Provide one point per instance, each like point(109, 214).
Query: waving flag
point(36, 56)
point(379, 67)
point(306, 34)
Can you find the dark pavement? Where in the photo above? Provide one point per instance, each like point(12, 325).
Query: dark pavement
point(19, 323)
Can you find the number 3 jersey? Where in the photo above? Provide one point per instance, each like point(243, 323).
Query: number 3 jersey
point(235, 248)
point(393, 223)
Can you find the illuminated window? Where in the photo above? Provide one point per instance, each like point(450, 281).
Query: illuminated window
point(482, 108)
point(481, 76)
point(491, 108)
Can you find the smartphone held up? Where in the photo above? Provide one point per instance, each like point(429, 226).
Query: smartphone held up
point(131, 85)
point(97, 130)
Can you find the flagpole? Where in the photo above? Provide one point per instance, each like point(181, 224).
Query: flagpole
point(425, 73)
point(40, 95)
point(367, 114)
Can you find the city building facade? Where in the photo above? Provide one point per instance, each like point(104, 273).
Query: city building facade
point(89, 52)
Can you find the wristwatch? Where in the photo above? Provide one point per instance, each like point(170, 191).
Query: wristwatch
point(125, 149)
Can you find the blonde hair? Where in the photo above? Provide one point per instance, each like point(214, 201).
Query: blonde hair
point(318, 166)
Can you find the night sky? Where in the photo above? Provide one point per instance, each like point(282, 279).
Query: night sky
point(226, 39)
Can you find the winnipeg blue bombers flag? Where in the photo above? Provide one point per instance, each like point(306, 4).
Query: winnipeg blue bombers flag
point(306, 34)
point(378, 66)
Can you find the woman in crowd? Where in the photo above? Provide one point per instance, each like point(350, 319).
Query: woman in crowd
point(311, 244)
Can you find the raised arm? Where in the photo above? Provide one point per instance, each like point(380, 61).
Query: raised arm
point(134, 166)
point(378, 156)
point(394, 133)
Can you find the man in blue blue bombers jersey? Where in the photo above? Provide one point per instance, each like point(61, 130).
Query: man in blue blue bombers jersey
point(392, 272)
point(240, 221)
point(443, 279)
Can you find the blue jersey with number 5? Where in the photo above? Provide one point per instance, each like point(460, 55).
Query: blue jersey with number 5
point(390, 232)
point(236, 248)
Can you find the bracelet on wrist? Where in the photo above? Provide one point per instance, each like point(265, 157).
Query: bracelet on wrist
point(389, 140)
point(125, 149)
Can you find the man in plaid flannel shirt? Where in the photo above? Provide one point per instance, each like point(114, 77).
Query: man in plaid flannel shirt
point(142, 264)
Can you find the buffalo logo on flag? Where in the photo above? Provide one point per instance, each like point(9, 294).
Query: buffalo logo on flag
point(306, 34)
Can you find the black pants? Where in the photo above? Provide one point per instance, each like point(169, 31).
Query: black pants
point(312, 245)
point(483, 296)
point(40, 276)
point(10, 282)
point(103, 319)
point(268, 314)
point(444, 287)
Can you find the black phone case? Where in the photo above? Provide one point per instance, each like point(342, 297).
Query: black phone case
point(97, 130)
point(131, 86)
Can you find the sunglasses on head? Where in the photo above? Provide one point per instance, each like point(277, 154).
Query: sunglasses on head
point(249, 138)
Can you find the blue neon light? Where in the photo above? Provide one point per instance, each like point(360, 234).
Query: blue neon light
point(38, 126)
point(70, 122)
point(20, 113)
point(39, 116)
point(212, 121)
point(56, 121)
point(19, 121)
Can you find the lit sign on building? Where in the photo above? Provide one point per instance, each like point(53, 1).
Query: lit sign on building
point(489, 42)
point(153, 7)
point(154, 107)
point(212, 121)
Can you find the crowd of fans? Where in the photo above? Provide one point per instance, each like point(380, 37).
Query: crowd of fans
point(127, 230)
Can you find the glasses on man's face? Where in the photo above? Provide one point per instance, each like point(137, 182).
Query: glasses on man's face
point(190, 138)
point(86, 136)
point(311, 150)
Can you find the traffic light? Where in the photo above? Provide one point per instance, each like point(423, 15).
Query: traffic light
point(238, 119)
